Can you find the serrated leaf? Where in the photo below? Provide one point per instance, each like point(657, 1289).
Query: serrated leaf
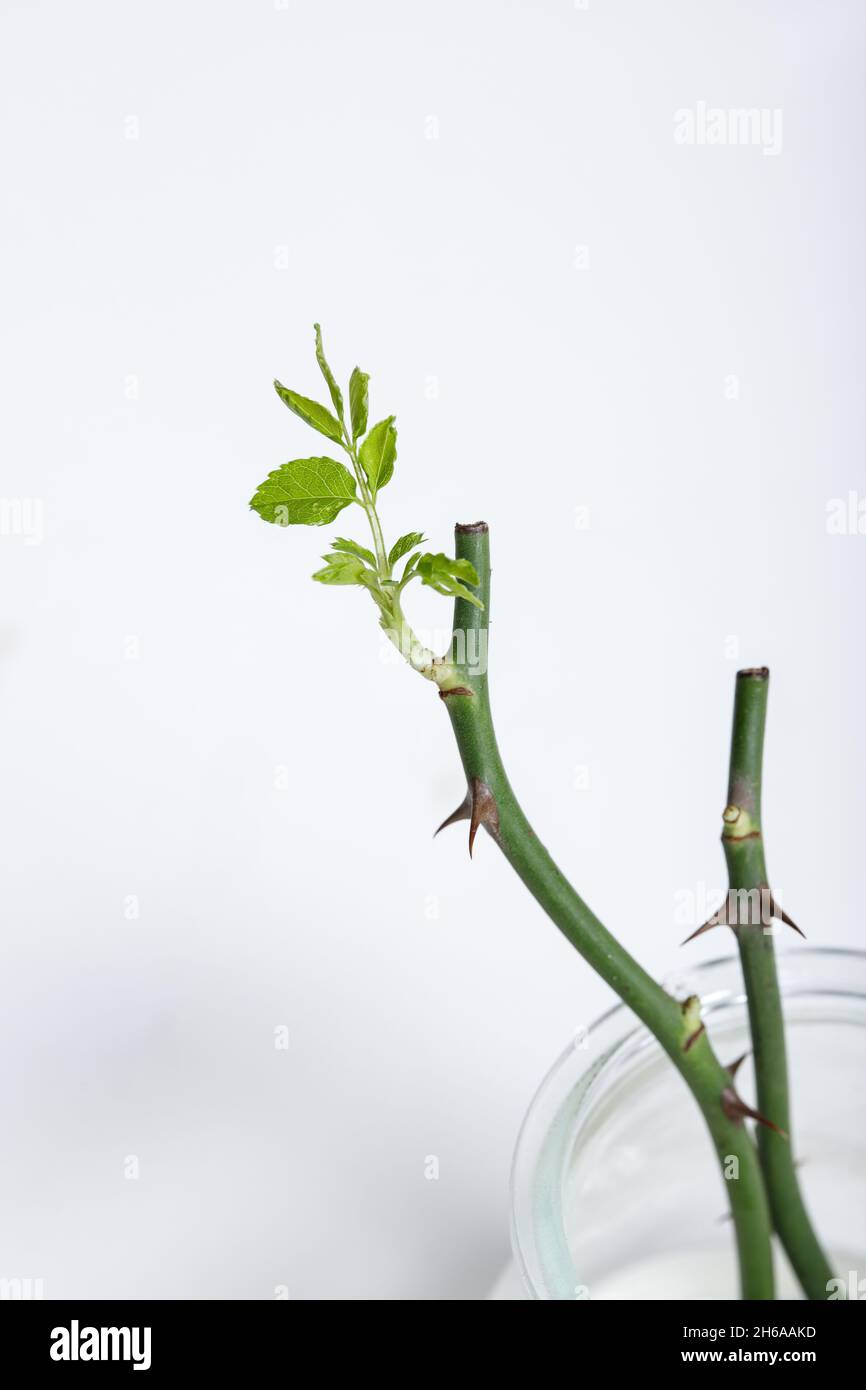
point(340, 569)
point(358, 404)
point(305, 492)
point(353, 548)
point(446, 566)
point(404, 545)
point(310, 412)
point(335, 392)
point(378, 453)
point(465, 570)
point(444, 574)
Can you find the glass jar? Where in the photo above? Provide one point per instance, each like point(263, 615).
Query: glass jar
point(616, 1191)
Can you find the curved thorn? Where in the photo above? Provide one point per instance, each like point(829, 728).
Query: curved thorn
point(778, 911)
point(718, 919)
point(484, 810)
point(463, 812)
point(737, 1110)
point(762, 1120)
point(733, 1067)
point(479, 808)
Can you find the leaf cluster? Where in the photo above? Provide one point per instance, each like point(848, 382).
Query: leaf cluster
point(313, 492)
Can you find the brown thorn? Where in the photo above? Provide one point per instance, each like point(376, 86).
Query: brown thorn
point(473, 827)
point(718, 919)
point(463, 812)
point(730, 1102)
point(484, 811)
point(733, 1067)
point(737, 1110)
point(779, 911)
point(479, 808)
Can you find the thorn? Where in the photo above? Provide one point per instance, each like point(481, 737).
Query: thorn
point(737, 1110)
point(728, 915)
point(474, 822)
point(734, 1067)
point(484, 811)
point(778, 911)
point(713, 922)
point(463, 812)
point(718, 919)
point(479, 808)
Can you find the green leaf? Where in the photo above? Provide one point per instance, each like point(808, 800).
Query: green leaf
point(465, 570)
point(340, 569)
point(353, 548)
point(444, 565)
point(358, 402)
point(336, 393)
point(378, 452)
point(370, 581)
point(311, 412)
point(348, 569)
point(444, 575)
point(411, 563)
point(305, 492)
point(404, 545)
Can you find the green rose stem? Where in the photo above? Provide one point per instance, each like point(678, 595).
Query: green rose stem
point(490, 801)
point(743, 843)
point(312, 492)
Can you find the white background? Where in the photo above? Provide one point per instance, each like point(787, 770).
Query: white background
point(187, 187)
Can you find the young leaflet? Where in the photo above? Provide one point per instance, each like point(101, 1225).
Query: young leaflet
point(313, 492)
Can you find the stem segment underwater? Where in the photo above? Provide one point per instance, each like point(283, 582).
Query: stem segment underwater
point(490, 801)
point(750, 906)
